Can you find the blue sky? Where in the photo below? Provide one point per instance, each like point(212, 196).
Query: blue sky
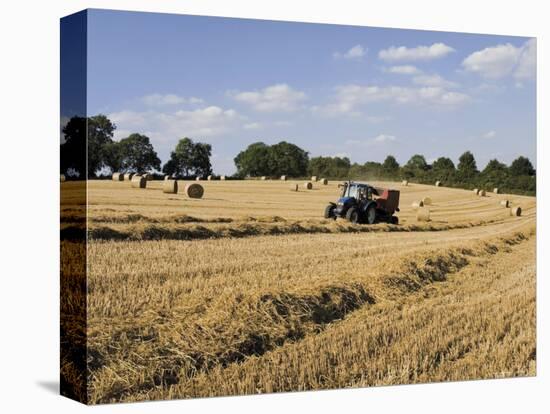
point(351, 91)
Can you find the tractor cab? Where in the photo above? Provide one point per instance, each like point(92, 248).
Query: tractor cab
point(363, 203)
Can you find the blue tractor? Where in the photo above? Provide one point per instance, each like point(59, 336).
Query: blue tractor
point(363, 203)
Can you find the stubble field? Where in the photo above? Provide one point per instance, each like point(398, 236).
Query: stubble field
point(250, 290)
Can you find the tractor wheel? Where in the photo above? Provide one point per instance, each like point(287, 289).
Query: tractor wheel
point(394, 220)
point(329, 212)
point(371, 215)
point(353, 215)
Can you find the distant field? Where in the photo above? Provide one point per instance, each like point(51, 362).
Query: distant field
point(250, 290)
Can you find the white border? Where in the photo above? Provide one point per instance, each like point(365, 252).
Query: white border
point(29, 205)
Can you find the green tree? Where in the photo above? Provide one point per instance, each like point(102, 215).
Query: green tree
point(494, 174)
point(73, 150)
point(287, 159)
point(100, 133)
point(390, 166)
point(137, 154)
point(443, 164)
point(254, 160)
point(467, 167)
point(415, 167)
point(280, 159)
point(417, 163)
point(443, 169)
point(189, 158)
point(201, 159)
point(329, 167)
point(522, 166)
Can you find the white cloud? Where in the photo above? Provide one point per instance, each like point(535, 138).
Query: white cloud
point(404, 70)
point(403, 53)
point(252, 125)
point(280, 97)
point(527, 65)
point(157, 99)
point(490, 134)
point(210, 121)
point(384, 138)
point(434, 80)
point(503, 60)
point(377, 140)
point(356, 52)
point(350, 97)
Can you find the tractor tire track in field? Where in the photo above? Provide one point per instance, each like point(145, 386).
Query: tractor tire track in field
point(179, 228)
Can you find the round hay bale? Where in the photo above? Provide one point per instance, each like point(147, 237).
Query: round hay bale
point(505, 203)
point(170, 186)
point(427, 201)
point(148, 177)
point(405, 183)
point(308, 185)
point(62, 178)
point(481, 193)
point(167, 177)
point(438, 183)
point(496, 190)
point(222, 177)
point(324, 181)
point(198, 178)
point(283, 177)
point(263, 178)
point(128, 176)
point(515, 211)
point(118, 176)
point(209, 178)
point(314, 178)
point(139, 181)
point(417, 204)
point(294, 187)
point(194, 190)
point(423, 214)
point(476, 191)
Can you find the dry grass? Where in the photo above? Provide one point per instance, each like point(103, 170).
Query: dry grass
point(226, 295)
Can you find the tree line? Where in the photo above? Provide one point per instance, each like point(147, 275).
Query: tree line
point(134, 153)
point(190, 159)
point(288, 159)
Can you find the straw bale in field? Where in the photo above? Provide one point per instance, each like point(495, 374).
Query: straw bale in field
point(283, 177)
point(438, 183)
point(170, 186)
point(209, 178)
point(194, 190)
point(481, 193)
point(405, 183)
point(294, 187)
point(314, 178)
point(423, 214)
point(417, 204)
point(324, 181)
point(505, 203)
point(515, 211)
point(139, 181)
point(128, 176)
point(496, 190)
point(222, 177)
point(426, 201)
point(308, 186)
point(476, 191)
point(118, 176)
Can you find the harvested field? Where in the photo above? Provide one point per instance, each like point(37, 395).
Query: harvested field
point(250, 290)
